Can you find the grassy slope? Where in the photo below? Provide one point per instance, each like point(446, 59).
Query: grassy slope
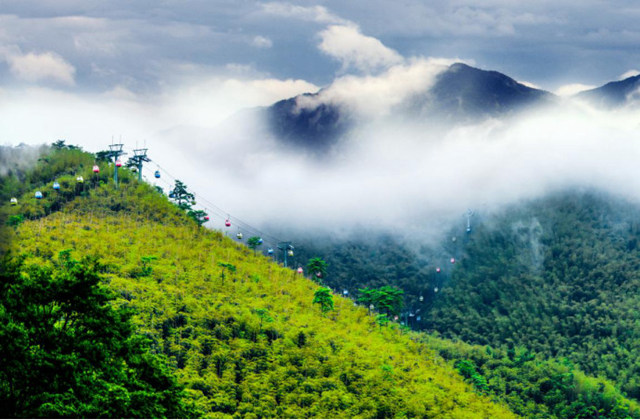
point(253, 344)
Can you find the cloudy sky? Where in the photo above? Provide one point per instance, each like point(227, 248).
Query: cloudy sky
point(150, 46)
point(166, 73)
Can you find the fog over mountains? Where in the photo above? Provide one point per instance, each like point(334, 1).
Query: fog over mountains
point(459, 94)
point(419, 144)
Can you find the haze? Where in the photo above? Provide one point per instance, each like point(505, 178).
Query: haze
point(390, 172)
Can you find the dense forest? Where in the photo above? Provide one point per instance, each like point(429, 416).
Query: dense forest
point(560, 276)
point(202, 326)
point(557, 276)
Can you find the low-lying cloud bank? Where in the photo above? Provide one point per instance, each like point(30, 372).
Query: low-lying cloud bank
point(389, 172)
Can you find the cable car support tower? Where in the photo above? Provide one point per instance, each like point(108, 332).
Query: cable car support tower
point(115, 151)
point(138, 158)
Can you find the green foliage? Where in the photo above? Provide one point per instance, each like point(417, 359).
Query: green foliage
point(324, 298)
point(534, 387)
point(181, 195)
point(199, 216)
point(318, 269)
point(226, 266)
point(386, 299)
point(559, 276)
point(254, 242)
point(249, 346)
point(67, 352)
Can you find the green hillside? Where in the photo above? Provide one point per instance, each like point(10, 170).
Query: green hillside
point(559, 276)
point(241, 333)
point(201, 326)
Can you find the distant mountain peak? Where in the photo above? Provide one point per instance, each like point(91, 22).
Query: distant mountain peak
point(467, 92)
point(614, 94)
point(460, 94)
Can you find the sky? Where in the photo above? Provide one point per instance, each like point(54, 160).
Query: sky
point(168, 75)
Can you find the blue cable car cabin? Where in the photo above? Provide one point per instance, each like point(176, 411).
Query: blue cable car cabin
point(157, 174)
point(56, 186)
point(38, 195)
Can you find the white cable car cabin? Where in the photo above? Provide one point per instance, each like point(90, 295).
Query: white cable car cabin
point(14, 201)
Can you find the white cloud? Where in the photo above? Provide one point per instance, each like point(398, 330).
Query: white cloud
point(261, 42)
point(377, 95)
point(318, 14)
point(572, 89)
point(529, 84)
point(354, 49)
point(629, 73)
point(48, 66)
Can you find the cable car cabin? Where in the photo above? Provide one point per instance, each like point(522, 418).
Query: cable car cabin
point(438, 270)
point(172, 195)
point(453, 260)
point(206, 218)
point(239, 235)
point(435, 289)
point(38, 195)
point(270, 251)
point(157, 174)
point(290, 253)
point(118, 163)
point(227, 223)
point(96, 169)
point(14, 201)
point(79, 179)
point(299, 270)
point(259, 241)
point(56, 186)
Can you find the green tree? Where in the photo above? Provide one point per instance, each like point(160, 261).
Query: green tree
point(226, 266)
point(318, 269)
point(324, 298)
point(254, 242)
point(181, 195)
point(67, 352)
point(386, 299)
point(199, 216)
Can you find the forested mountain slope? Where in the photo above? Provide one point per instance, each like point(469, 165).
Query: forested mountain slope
point(242, 334)
point(560, 276)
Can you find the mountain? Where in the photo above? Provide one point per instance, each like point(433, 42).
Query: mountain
point(557, 277)
point(613, 94)
point(464, 92)
point(242, 335)
point(315, 128)
point(221, 330)
point(460, 93)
